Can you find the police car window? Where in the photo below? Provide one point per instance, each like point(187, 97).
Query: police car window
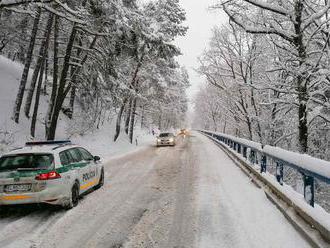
point(75, 154)
point(64, 158)
point(85, 154)
point(69, 156)
point(26, 161)
point(42, 161)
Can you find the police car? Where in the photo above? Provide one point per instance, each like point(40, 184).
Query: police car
point(53, 172)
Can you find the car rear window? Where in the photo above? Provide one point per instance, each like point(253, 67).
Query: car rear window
point(26, 161)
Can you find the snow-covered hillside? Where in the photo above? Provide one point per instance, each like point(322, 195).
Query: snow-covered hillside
point(99, 141)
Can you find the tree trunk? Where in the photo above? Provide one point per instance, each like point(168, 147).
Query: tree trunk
point(25, 74)
point(301, 81)
point(4, 42)
point(20, 54)
point(40, 62)
point(74, 84)
point(62, 89)
point(132, 121)
point(142, 116)
point(224, 127)
point(118, 122)
point(72, 99)
point(128, 116)
point(55, 76)
point(46, 73)
point(253, 102)
point(36, 102)
point(160, 121)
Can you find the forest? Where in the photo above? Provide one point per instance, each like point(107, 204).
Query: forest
point(267, 73)
point(95, 61)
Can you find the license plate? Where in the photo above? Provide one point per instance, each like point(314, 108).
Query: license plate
point(18, 188)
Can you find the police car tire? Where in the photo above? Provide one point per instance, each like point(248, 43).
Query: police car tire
point(101, 182)
point(74, 197)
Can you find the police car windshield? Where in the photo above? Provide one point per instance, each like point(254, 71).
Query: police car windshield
point(26, 161)
point(166, 135)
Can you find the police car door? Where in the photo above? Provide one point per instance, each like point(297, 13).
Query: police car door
point(68, 170)
point(93, 173)
point(81, 168)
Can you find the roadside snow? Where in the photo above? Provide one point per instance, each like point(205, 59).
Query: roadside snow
point(318, 213)
point(233, 211)
point(100, 143)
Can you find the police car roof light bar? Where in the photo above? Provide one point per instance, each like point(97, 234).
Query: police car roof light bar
point(48, 142)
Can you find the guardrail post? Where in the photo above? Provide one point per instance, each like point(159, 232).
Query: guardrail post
point(244, 151)
point(309, 189)
point(239, 148)
point(263, 164)
point(252, 156)
point(279, 172)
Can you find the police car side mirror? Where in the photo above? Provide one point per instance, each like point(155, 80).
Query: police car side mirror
point(97, 158)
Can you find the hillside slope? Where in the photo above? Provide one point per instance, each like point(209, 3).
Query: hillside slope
point(15, 135)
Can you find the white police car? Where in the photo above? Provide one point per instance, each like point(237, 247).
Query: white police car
point(53, 172)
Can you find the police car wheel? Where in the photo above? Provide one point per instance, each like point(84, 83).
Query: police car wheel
point(74, 197)
point(101, 182)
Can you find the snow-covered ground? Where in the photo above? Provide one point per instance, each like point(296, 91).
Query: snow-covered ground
point(233, 211)
point(191, 195)
point(99, 141)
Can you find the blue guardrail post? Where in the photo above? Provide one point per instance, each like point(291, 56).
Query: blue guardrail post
point(263, 164)
point(279, 172)
point(309, 189)
point(252, 157)
point(244, 151)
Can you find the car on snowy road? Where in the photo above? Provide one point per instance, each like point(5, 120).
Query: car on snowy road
point(53, 172)
point(166, 139)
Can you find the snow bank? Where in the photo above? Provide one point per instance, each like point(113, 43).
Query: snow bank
point(100, 142)
point(317, 212)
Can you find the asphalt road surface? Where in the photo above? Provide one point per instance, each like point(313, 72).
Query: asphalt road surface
point(190, 195)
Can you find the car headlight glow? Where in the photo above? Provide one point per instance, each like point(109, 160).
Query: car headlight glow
point(171, 139)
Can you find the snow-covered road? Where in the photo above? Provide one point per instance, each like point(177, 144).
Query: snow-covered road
point(191, 195)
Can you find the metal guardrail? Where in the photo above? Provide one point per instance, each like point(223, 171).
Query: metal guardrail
point(310, 168)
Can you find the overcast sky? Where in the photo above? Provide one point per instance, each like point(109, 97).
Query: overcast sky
point(200, 21)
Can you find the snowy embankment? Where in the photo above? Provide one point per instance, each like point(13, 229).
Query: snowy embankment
point(318, 215)
point(98, 141)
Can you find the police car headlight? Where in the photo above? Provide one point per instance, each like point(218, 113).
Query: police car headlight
point(158, 140)
point(171, 140)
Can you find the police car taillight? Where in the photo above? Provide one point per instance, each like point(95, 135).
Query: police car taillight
point(48, 176)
